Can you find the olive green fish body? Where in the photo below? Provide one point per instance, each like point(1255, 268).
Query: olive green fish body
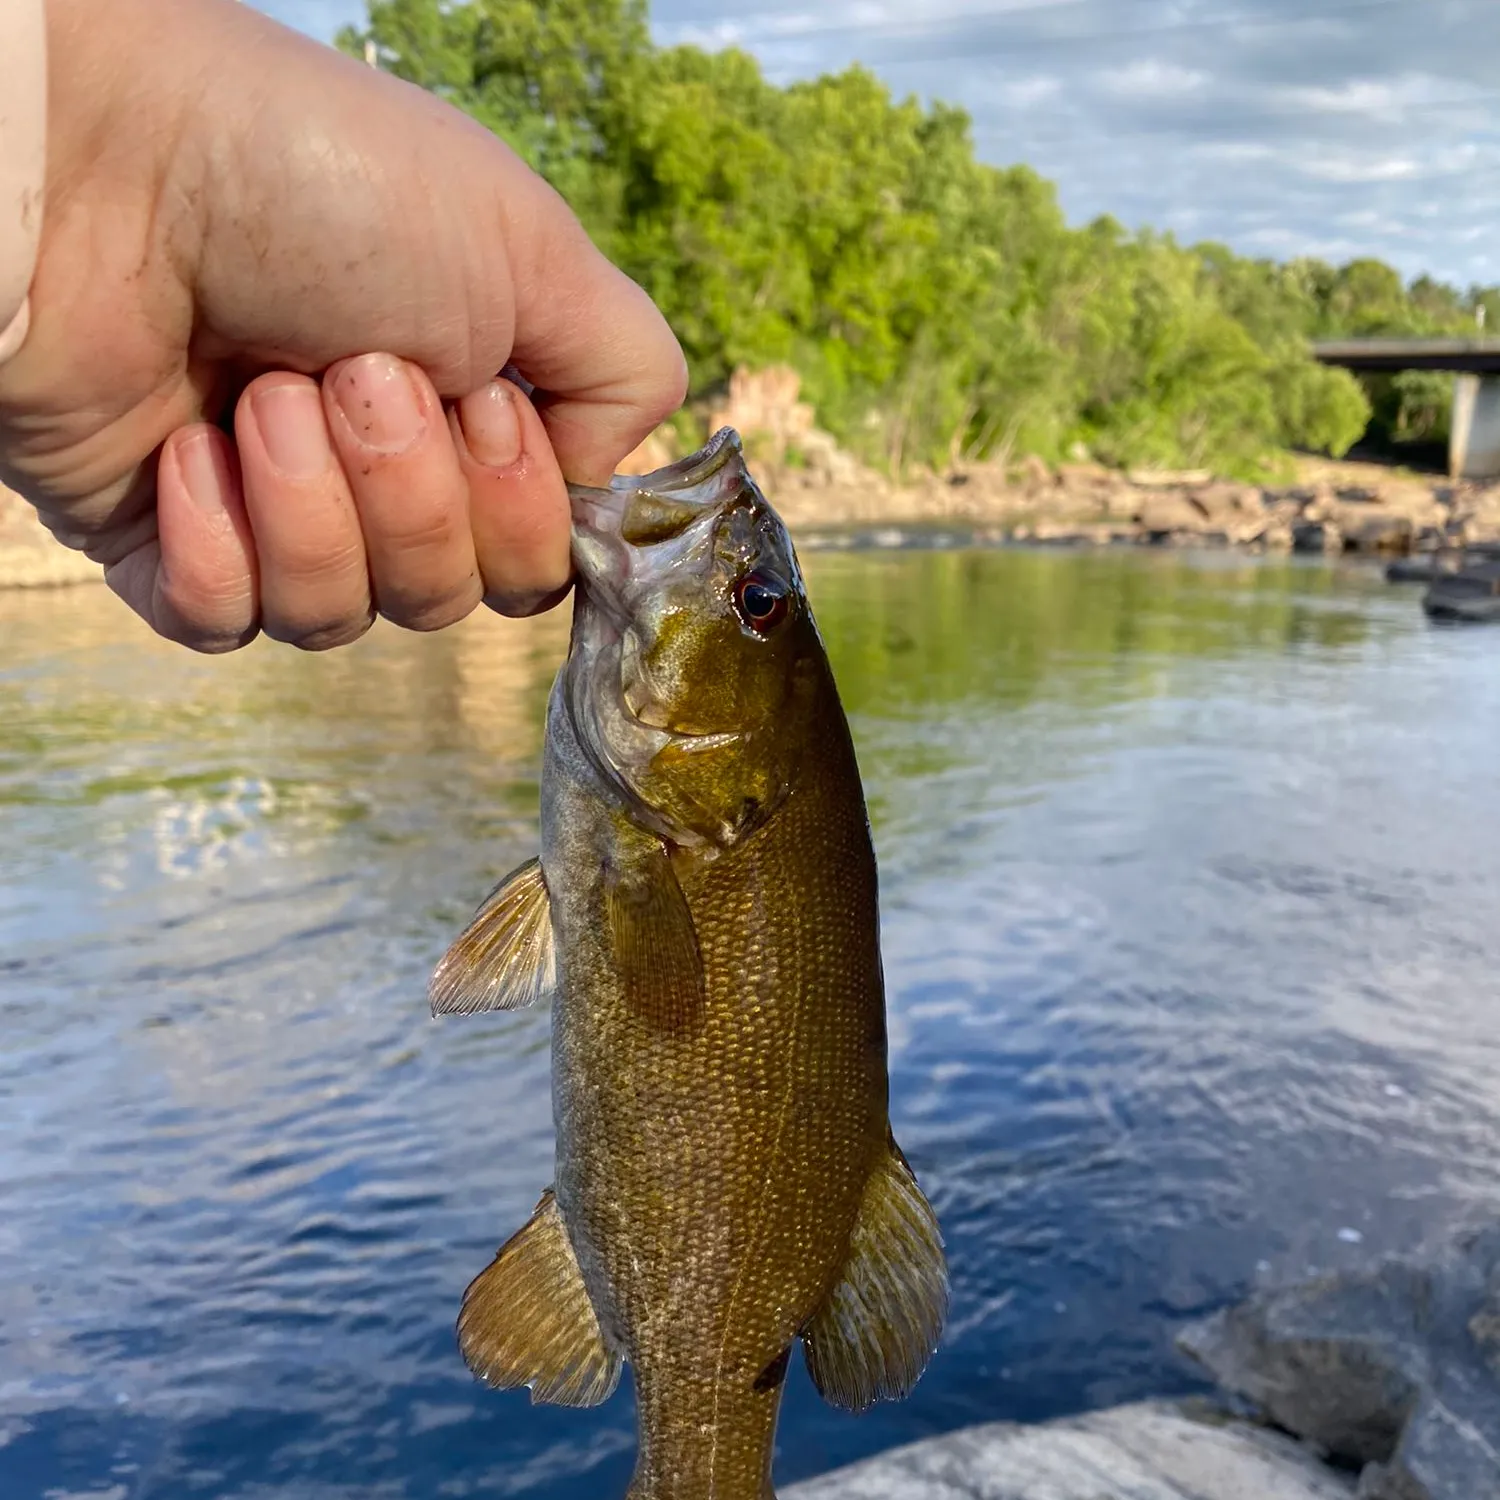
point(711, 1164)
point(704, 914)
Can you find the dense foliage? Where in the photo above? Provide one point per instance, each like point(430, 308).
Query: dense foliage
point(936, 307)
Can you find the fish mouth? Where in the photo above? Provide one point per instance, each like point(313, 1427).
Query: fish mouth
point(687, 485)
point(625, 538)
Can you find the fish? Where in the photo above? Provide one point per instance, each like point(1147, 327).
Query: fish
point(703, 917)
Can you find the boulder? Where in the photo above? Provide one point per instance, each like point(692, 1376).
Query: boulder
point(1395, 1370)
point(1166, 511)
point(1147, 1451)
point(823, 462)
point(1168, 478)
point(1085, 476)
point(1367, 528)
point(1275, 536)
point(1316, 536)
point(1478, 516)
point(1228, 505)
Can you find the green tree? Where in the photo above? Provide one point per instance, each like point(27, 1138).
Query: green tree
point(938, 308)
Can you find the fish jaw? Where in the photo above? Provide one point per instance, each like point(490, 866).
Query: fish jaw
point(614, 547)
point(633, 542)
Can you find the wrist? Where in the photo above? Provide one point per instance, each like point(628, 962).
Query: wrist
point(23, 134)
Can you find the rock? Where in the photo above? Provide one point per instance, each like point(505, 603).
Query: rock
point(1148, 1451)
point(30, 556)
point(1085, 476)
point(1033, 473)
point(1479, 517)
point(1413, 500)
point(1169, 478)
point(1122, 503)
point(1396, 1369)
point(824, 462)
point(1368, 529)
point(763, 404)
point(1316, 536)
point(1228, 505)
point(1168, 511)
point(1321, 505)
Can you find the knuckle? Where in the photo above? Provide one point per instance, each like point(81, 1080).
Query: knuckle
point(309, 567)
point(435, 610)
point(311, 630)
point(335, 636)
point(422, 530)
point(209, 615)
point(218, 645)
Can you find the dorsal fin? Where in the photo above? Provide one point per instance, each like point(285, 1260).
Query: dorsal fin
point(504, 959)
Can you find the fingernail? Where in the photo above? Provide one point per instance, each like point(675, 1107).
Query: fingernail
point(293, 430)
point(204, 468)
point(492, 427)
point(378, 400)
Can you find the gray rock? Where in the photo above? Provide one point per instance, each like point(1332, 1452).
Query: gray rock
point(1396, 1368)
point(1150, 1451)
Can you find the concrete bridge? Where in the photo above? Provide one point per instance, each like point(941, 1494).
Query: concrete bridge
point(1474, 442)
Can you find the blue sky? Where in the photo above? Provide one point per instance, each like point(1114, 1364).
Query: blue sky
point(1282, 127)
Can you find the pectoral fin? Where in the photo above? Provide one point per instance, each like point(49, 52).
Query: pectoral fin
point(875, 1332)
point(527, 1320)
point(504, 958)
point(654, 942)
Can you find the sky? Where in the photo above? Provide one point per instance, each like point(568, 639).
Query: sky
point(1334, 128)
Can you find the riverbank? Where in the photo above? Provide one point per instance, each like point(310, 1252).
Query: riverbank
point(825, 496)
point(1329, 507)
point(1378, 1382)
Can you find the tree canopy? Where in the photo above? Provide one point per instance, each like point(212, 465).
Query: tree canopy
point(936, 307)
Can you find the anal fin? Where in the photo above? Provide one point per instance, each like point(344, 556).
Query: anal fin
point(876, 1330)
point(527, 1320)
point(504, 959)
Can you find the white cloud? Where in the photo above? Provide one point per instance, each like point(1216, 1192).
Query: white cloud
point(1152, 78)
point(1358, 169)
point(1281, 126)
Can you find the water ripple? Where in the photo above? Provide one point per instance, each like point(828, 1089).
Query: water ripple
point(1189, 872)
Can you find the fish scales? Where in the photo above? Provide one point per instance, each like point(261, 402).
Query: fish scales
point(704, 914)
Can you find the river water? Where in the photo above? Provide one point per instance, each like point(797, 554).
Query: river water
point(1191, 874)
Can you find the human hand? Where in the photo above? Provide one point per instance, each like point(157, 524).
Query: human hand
point(235, 217)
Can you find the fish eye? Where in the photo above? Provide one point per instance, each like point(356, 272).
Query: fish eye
point(761, 601)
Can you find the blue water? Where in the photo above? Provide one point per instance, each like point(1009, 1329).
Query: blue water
point(1191, 876)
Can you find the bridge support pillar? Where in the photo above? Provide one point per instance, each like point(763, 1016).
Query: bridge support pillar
point(1474, 438)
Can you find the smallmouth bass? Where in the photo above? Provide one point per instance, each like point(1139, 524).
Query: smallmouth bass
point(703, 916)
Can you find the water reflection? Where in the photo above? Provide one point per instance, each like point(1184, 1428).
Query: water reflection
point(1189, 868)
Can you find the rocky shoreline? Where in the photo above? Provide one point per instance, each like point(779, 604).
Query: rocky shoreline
point(1330, 509)
point(827, 498)
point(1379, 1384)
